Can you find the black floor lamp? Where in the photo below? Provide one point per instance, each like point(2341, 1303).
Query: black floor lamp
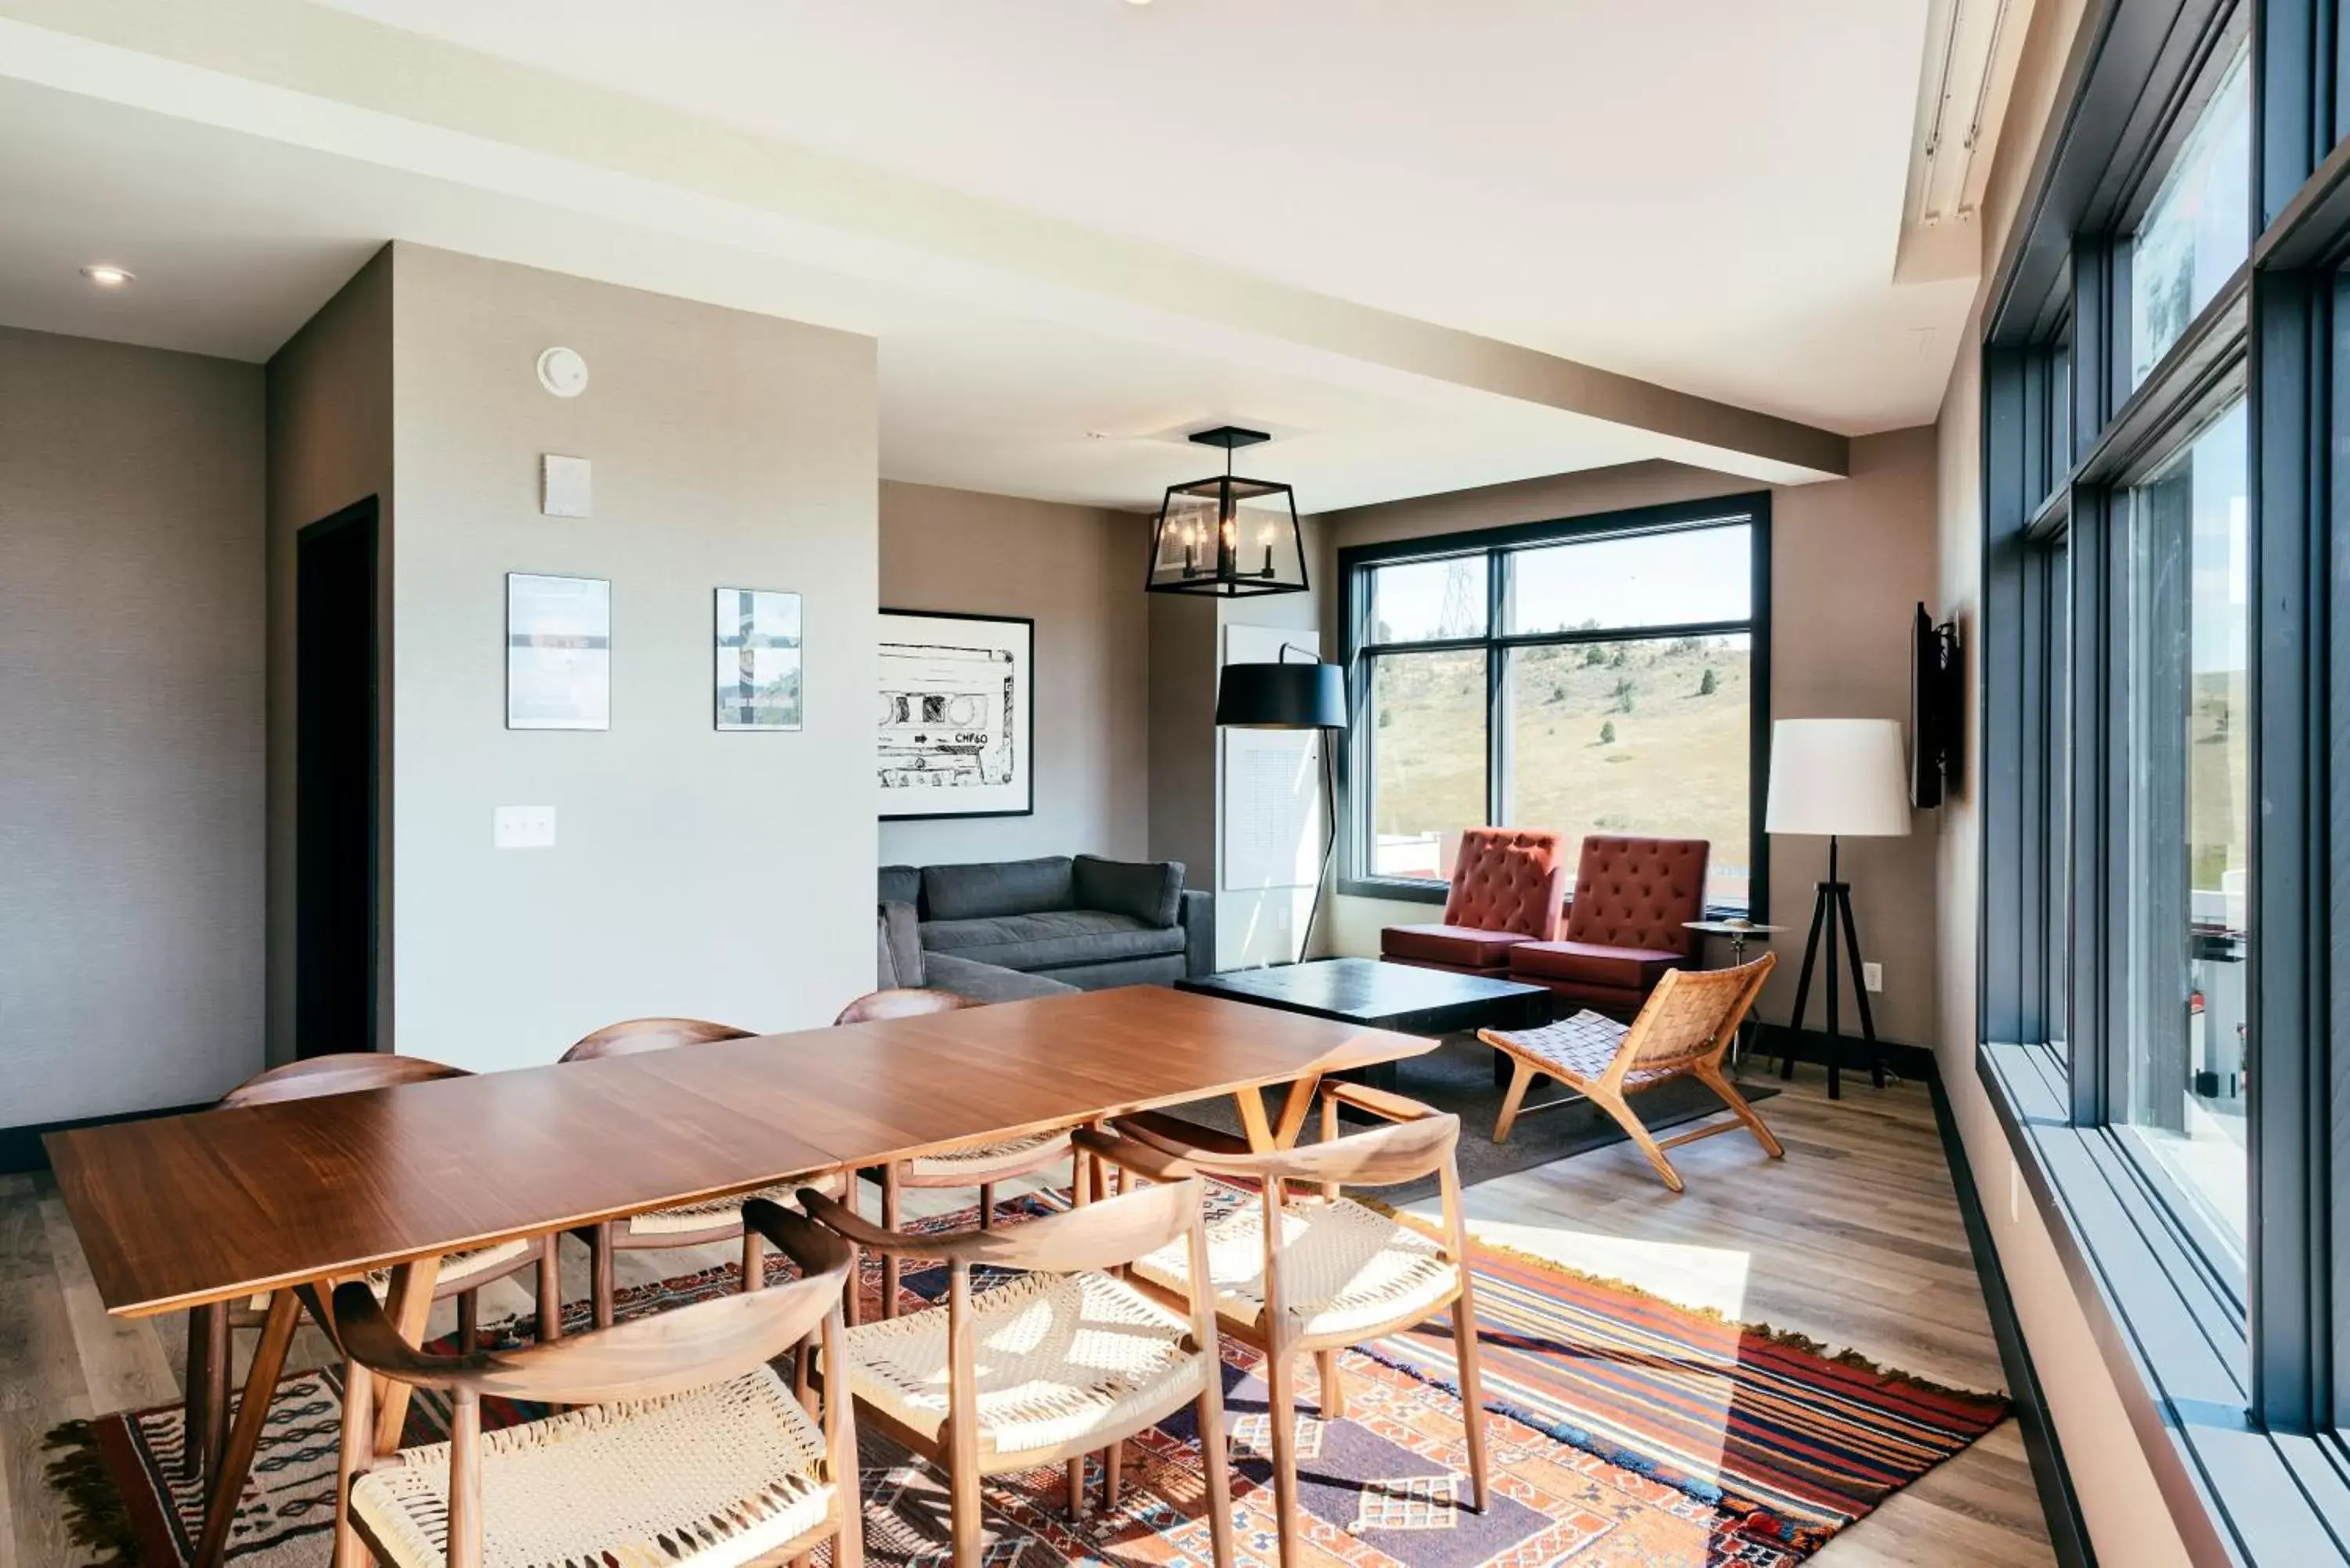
point(1284, 696)
point(1843, 778)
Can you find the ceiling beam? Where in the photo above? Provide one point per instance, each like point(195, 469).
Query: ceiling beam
point(310, 76)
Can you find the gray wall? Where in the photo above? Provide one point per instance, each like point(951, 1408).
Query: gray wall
point(1078, 572)
point(130, 721)
point(721, 876)
point(329, 398)
point(1850, 557)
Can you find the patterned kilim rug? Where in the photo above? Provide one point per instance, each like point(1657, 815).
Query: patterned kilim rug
point(1622, 1431)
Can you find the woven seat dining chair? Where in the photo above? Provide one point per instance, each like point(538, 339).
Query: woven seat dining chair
point(687, 1449)
point(1681, 1031)
point(1316, 1272)
point(980, 1165)
point(703, 1223)
point(1048, 1366)
point(205, 1429)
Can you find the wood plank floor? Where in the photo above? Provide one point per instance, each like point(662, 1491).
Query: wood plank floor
point(1854, 1239)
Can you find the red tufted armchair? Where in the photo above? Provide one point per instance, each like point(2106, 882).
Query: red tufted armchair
point(1506, 889)
point(1624, 927)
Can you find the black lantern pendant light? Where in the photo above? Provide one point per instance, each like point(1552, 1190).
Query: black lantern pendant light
point(1228, 537)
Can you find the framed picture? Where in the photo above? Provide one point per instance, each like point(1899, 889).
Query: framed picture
point(958, 716)
point(758, 645)
point(558, 652)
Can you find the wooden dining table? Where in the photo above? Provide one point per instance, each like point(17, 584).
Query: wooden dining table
point(219, 1206)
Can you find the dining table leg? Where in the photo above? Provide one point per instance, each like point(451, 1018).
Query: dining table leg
point(1266, 1135)
point(410, 1308)
point(244, 1436)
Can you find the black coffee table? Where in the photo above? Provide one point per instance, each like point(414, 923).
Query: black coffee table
point(1378, 996)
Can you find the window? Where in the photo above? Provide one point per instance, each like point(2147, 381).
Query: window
point(2189, 719)
point(1595, 676)
point(1428, 775)
point(2164, 742)
point(2199, 228)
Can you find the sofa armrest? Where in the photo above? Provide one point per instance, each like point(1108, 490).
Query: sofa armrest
point(1196, 913)
point(899, 957)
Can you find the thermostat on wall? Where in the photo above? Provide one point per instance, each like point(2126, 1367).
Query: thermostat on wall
point(567, 486)
point(563, 372)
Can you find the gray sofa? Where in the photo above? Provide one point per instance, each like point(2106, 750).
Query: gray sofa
point(1081, 922)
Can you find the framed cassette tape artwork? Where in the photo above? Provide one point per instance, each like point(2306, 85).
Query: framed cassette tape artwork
point(958, 735)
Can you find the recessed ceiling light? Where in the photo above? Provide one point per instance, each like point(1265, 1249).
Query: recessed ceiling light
point(109, 276)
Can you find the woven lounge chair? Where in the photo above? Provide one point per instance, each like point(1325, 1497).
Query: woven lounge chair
point(691, 1452)
point(1682, 1031)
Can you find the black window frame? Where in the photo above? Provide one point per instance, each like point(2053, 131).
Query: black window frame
point(1498, 544)
point(2238, 1387)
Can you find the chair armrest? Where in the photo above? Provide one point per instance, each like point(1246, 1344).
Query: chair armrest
point(1195, 911)
point(1143, 1159)
point(1174, 1136)
point(900, 962)
point(1379, 1102)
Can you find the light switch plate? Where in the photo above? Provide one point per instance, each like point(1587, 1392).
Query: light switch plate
point(524, 827)
point(566, 487)
point(1872, 976)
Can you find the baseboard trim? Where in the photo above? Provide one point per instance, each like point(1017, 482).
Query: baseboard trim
point(2068, 1531)
point(21, 1150)
point(1915, 1064)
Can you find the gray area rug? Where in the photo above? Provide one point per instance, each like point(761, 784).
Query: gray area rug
point(1457, 1076)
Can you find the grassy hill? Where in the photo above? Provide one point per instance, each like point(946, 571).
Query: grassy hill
point(1633, 737)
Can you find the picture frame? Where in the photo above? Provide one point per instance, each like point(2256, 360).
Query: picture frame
point(957, 734)
point(558, 652)
point(756, 638)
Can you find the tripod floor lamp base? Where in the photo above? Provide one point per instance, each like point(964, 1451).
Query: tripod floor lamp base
point(1832, 927)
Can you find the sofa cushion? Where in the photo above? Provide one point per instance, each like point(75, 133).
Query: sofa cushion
point(1462, 946)
point(901, 885)
point(1636, 892)
point(1631, 969)
point(1051, 939)
point(988, 983)
point(991, 887)
point(1149, 890)
point(1507, 879)
point(899, 942)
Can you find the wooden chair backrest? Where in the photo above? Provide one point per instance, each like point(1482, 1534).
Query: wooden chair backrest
point(1690, 1018)
point(343, 1072)
point(1383, 1157)
point(1099, 1235)
point(901, 1002)
point(635, 1035)
point(643, 1358)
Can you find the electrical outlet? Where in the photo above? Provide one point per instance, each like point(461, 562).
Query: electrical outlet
point(524, 827)
point(1872, 976)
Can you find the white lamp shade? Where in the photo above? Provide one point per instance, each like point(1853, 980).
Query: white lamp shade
point(1841, 776)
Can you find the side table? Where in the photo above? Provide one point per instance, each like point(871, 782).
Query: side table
point(1739, 935)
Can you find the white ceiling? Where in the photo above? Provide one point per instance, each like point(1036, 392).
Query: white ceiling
point(1704, 193)
point(1476, 173)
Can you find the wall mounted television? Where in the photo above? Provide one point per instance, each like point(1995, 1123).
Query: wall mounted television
point(1937, 709)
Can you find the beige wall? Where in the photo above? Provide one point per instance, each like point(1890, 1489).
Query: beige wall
point(724, 876)
point(131, 667)
point(2127, 1518)
point(1078, 572)
point(329, 401)
point(1850, 558)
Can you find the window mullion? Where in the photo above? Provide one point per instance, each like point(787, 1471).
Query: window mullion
point(1497, 695)
point(2288, 1098)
